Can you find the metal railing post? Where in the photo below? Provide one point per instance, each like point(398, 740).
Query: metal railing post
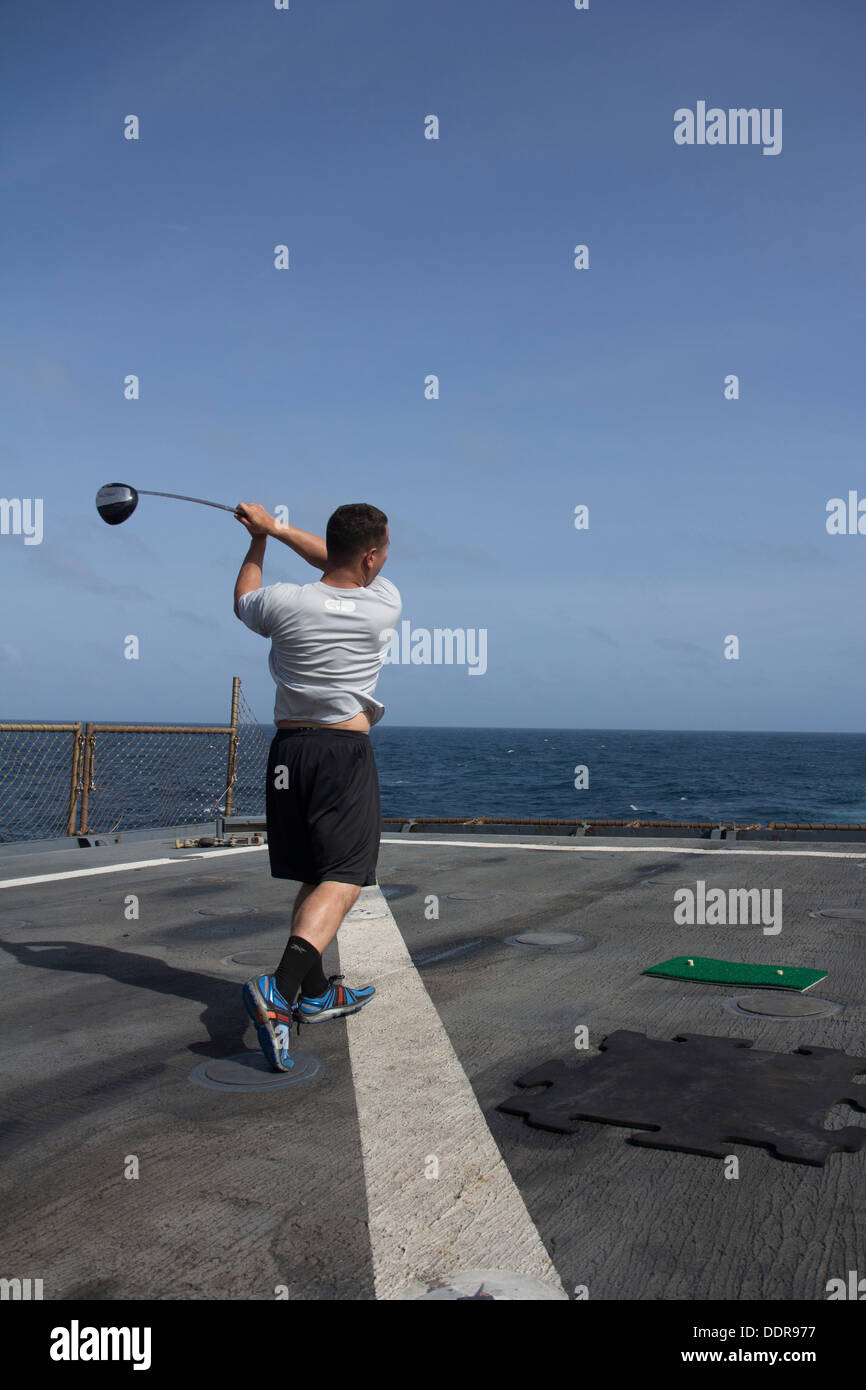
point(86, 777)
point(232, 769)
point(73, 779)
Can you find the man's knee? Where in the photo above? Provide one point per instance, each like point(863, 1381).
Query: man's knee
point(349, 892)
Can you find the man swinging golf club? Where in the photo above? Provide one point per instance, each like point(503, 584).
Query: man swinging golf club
point(328, 643)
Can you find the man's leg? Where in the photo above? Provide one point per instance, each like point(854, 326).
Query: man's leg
point(318, 913)
point(303, 893)
point(320, 910)
point(336, 796)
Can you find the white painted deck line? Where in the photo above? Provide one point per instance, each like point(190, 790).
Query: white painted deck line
point(415, 1101)
point(85, 873)
point(122, 868)
point(647, 847)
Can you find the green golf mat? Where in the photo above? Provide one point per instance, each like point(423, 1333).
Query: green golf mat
point(731, 972)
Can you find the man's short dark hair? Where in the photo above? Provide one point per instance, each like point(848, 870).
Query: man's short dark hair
point(352, 530)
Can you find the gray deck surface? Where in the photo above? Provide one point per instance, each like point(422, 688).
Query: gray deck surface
point(104, 1019)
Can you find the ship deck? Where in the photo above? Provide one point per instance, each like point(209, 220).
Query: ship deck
point(393, 1171)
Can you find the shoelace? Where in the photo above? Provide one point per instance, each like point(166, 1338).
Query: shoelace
point(297, 1015)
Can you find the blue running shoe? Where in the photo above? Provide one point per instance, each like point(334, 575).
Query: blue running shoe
point(273, 1019)
point(334, 1003)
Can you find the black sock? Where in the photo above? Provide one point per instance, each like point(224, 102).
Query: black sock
point(315, 982)
point(301, 963)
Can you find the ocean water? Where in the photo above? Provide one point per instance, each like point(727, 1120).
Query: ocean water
point(645, 775)
point(151, 779)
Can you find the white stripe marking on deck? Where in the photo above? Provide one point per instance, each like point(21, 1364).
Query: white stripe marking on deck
point(415, 1102)
point(83, 873)
point(448, 844)
point(645, 848)
point(122, 868)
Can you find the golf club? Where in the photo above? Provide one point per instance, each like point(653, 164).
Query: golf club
point(117, 501)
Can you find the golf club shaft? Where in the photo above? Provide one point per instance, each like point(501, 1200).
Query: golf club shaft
point(143, 492)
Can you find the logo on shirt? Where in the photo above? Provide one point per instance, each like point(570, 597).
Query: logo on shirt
point(340, 605)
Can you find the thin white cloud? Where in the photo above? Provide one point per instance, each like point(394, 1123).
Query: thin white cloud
point(10, 657)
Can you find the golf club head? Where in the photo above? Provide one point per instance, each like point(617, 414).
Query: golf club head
point(115, 502)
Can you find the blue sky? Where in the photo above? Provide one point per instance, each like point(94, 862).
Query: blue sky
point(408, 257)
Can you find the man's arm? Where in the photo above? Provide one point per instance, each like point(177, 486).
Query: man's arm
point(258, 521)
point(310, 548)
point(250, 575)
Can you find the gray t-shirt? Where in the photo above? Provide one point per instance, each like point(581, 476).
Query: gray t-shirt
point(327, 645)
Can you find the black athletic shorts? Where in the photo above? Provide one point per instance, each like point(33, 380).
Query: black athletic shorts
point(326, 823)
